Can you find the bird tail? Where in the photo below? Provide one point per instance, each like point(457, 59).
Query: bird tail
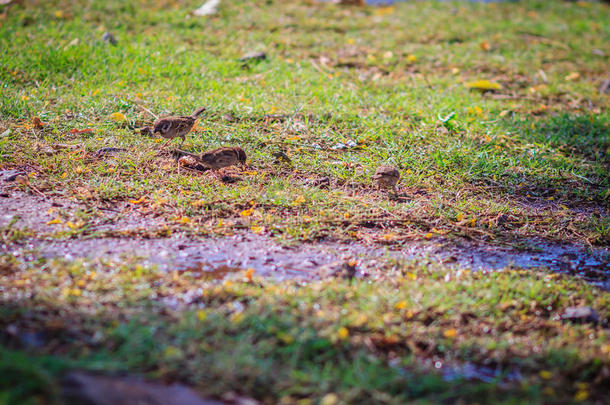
point(180, 153)
point(197, 112)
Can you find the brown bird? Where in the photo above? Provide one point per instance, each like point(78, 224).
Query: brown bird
point(176, 126)
point(218, 158)
point(386, 176)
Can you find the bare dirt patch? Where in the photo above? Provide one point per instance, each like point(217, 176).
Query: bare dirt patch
point(217, 258)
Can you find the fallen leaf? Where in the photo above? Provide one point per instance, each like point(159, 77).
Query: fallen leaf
point(38, 124)
point(547, 375)
point(485, 45)
point(329, 399)
point(484, 85)
point(257, 229)
point(117, 117)
point(572, 76)
point(401, 305)
point(342, 333)
point(249, 274)
point(55, 221)
point(81, 131)
point(247, 213)
point(183, 220)
point(138, 201)
point(450, 333)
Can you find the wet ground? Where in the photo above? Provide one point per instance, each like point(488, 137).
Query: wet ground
point(218, 258)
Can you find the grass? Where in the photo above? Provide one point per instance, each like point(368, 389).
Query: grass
point(362, 341)
point(342, 91)
point(379, 80)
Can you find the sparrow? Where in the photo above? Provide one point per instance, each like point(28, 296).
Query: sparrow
point(176, 126)
point(218, 158)
point(386, 176)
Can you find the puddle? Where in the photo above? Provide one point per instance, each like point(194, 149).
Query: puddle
point(473, 372)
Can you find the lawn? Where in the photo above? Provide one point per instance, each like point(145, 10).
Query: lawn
point(495, 114)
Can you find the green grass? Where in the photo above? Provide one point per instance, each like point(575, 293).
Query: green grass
point(390, 81)
point(360, 340)
point(379, 79)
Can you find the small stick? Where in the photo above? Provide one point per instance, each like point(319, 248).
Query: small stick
point(148, 111)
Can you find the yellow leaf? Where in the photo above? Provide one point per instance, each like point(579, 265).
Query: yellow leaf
point(450, 333)
point(256, 229)
point(384, 10)
point(299, 200)
point(183, 220)
point(201, 315)
point(388, 236)
point(549, 391)
point(117, 117)
point(411, 58)
point(572, 76)
point(172, 352)
point(236, 318)
point(581, 395)
point(247, 213)
point(343, 333)
point(64, 175)
point(55, 221)
point(429, 235)
point(412, 276)
point(250, 273)
point(72, 225)
point(293, 138)
point(401, 305)
point(547, 375)
point(59, 14)
point(138, 201)
point(484, 85)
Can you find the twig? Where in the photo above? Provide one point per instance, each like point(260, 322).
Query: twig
point(148, 111)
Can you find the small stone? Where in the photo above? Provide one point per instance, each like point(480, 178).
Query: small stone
point(253, 56)
point(109, 38)
point(581, 315)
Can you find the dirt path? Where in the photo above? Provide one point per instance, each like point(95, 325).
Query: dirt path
point(219, 257)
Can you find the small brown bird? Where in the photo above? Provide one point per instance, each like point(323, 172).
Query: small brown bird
point(218, 158)
point(386, 176)
point(176, 126)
